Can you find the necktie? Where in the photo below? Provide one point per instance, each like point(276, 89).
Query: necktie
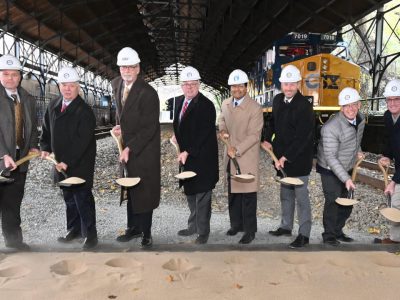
point(286, 100)
point(19, 121)
point(125, 95)
point(236, 103)
point(63, 107)
point(185, 106)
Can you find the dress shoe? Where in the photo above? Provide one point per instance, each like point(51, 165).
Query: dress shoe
point(385, 241)
point(281, 231)
point(201, 239)
point(70, 236)
point(247, 238)
point(147, 242)
point(331, 241)
point(129, 234)
point(21, 246)
point(90, 243)
point(232, 231)
point(344, 238)
point(185, 232)
point(299, 242)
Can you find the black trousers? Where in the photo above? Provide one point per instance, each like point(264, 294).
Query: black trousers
point(140, 221)
point(11, 195)
point(243, 211)
point(81, 212)
point(335, 215)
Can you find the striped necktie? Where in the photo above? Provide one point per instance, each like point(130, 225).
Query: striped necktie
point(19, 121)
point(185, 106)
point(64, 106)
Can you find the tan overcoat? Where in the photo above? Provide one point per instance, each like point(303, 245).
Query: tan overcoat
point(243, 124)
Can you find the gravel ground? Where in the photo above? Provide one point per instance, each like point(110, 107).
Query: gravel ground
point(43, 210)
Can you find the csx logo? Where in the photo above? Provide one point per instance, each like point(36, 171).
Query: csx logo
point(329, 82)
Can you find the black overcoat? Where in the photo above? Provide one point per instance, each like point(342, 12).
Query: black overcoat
point(70, 136)
point(196, 134)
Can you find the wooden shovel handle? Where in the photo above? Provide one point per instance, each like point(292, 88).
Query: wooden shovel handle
point(22, 160)
point(274, 158)
point(26, 158)
point(272, 154)
point(118, 140)
point(234, 160)
point(53, 160)
point(385, 171)
point(354, 173)
point(175, 145)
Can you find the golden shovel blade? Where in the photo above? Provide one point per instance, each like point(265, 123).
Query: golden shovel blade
point(244, 177)
point(185, 175)
point(390, 213)
point(291, 181)
point(128, 181)
point(72, 181)
point(346, 201)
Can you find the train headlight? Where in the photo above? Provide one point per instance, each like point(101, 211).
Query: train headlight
point(325, 64)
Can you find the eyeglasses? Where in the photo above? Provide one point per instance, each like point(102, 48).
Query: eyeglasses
point(187, 85)
point(393, 101)
point(129, 67)
point(238, 86)
point(351, 105)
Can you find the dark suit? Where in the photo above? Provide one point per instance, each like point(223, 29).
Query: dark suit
point(293, 126)
point(11, 194)
point(196, 134)
point(70, 136)
point(140, 127)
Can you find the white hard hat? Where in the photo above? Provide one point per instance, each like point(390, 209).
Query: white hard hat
point(188, 74)
point(348, 95)
point(392, 89)
point(127, 57)
point(237, 77)
point(68, 74)
point(10, 62)
point(290, 73)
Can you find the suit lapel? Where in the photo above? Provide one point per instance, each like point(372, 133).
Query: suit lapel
point(133, 95)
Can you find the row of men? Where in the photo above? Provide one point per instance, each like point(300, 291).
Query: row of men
point(68, 132)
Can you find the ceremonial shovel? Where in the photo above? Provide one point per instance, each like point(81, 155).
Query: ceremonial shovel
point(68, 181)
point(184, 174)
point(285, 179)
point(390, 213)
point(239, 175)
point(18, 163)
point(125, 181)
point(350, 197)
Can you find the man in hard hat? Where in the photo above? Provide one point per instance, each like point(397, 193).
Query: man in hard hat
point(68, 132)
point(338, 150)
point(240, 122)
point(18, 136)
point(292, 123)
point(392, 151)
point(138, 109)
point(195, 133)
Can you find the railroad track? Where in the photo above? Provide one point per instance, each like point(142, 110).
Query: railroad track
point(102, 132)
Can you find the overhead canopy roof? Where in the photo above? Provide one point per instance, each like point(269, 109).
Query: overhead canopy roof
point(215, 36)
